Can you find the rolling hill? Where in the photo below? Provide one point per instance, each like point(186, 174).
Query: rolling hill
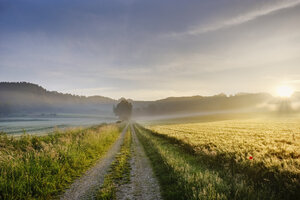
point(29, 98)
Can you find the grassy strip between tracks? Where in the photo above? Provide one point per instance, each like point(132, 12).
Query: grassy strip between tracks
point(119, 172)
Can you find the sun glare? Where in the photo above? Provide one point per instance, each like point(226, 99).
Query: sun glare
point(285, 91)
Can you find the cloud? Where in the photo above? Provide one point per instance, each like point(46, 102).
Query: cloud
point(293, 81)
point(115, 48)
point(249, 16)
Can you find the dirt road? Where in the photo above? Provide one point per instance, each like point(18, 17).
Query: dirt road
point(143, 183)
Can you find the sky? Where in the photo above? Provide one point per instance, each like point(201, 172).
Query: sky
point(151, 49)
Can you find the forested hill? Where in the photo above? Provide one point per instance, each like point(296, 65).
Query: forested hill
point(216, 103)
point(23, 97)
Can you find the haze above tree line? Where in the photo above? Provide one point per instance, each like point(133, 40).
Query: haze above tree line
point(17, 98)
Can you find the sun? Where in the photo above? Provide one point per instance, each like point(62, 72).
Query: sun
point(285, 91)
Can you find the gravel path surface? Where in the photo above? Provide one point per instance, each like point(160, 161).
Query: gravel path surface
point(86, 186)
point(143, 183)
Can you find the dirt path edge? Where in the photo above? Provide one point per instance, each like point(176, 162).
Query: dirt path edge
point(87, 185)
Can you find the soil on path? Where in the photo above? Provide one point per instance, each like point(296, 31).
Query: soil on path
point(87, 185)
point(143, 183)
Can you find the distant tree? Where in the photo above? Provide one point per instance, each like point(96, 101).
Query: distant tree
point(123, 109)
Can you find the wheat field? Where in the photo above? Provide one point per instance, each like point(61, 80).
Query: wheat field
point(266, 152)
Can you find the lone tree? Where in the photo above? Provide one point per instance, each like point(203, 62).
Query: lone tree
point(123, 109)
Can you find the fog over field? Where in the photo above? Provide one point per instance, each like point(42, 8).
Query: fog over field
point(29, 107)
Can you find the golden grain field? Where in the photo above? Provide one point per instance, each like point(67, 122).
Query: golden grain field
point(265, 151)
point(275, 142)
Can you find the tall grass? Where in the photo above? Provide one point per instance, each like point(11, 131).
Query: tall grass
point(34, 167)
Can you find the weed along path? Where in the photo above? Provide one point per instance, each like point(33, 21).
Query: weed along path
point(86, 186)
point(143, 184)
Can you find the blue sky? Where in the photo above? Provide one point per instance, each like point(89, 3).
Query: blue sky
point(151, 49)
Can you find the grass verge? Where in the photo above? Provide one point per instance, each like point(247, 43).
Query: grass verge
point(182, 175)
point(119, 172)
point(34, 167)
